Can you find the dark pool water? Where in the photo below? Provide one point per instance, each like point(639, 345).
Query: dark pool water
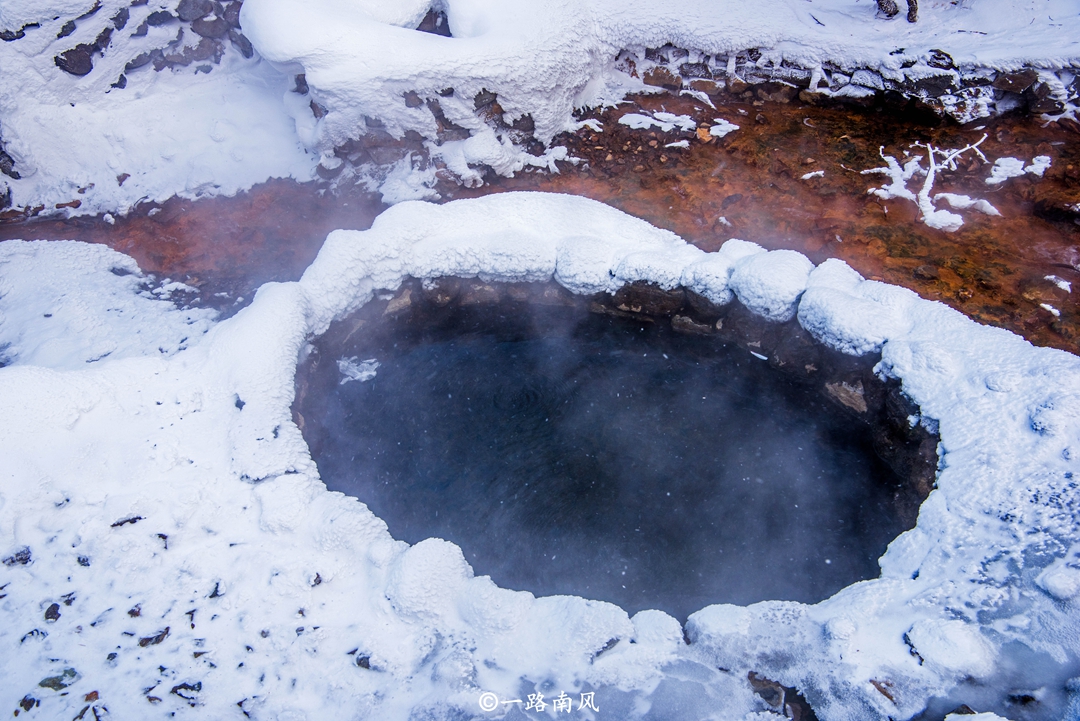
point(608, 459)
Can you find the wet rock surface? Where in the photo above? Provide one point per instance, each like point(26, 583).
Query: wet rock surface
point(557, 426)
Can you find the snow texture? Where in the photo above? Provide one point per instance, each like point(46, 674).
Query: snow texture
point(94, 303)
point(167, 543)
point(175, 132)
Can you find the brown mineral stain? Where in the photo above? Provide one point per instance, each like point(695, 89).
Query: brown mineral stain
point(748, 185)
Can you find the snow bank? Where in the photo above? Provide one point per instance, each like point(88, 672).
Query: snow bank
point(167, 544)
point(214, 127)
point(94, 303)
point(544, 58)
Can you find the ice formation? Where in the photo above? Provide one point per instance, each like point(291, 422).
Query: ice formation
point(168, 547)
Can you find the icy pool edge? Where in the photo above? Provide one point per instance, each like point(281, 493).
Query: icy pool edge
point(947, 601)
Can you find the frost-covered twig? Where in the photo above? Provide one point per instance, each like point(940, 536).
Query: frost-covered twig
point(938, 160)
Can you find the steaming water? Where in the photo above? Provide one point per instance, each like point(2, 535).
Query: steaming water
point(611, 460)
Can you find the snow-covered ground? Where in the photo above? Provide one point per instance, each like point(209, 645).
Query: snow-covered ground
point(214, 121)
point(168, 547)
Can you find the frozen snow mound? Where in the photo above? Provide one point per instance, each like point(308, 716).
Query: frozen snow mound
point(109, 104)
point(163, 514)
point(94, 303)
point(544, 58)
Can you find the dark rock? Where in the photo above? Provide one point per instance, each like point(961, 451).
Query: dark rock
point(703, 307)
point(102, 40)
point(189, 10)
point(441, 291)
point(59, 683)
point(317, 110)
point(300, 85)
point(483, 99)
point(661, 77)
point(650, 299)
point(937, 84)
point(656, 55)
point(941, 60)
point(689, 326)
point(67, 29)
point(187, 691)
point(695, 70)
point(797, 353)
point(52, 613)
point(412, 99)
point(120, 19)
point(121, 83)
point(9, 36)
point(7, 166)
point(210, 27)
point(207, 49)
point(705, 86)
point(525, 124)
point(76, 61)
point(154, 640)
point(1060, 210)
point(231, 14)
point(329, 173)
point(1016, 82)
point(1040, 99)
point(139, 61)
point(91, 11)
point(435, 23)
point(159, 18)
point(241, 43)
point(28, 702)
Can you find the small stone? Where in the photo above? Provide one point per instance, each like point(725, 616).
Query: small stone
point(639, 168)
point(76, 61)
point(708, 87)
point(687, 325)
point(232, 14)
point(399, 304)
point(661, 77)
point(241, 43)
point(58, 683)
point(412, 99)
point(926, 272)
point(736, 84)
point(52, 613)
point(67, 29)
point(161, 17)
point(189, 10)
point(850, 395)
point(210, 27)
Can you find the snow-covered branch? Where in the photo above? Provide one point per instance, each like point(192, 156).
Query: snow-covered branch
point(938, 160)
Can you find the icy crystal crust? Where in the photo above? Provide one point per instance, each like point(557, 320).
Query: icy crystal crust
point(166, 538)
